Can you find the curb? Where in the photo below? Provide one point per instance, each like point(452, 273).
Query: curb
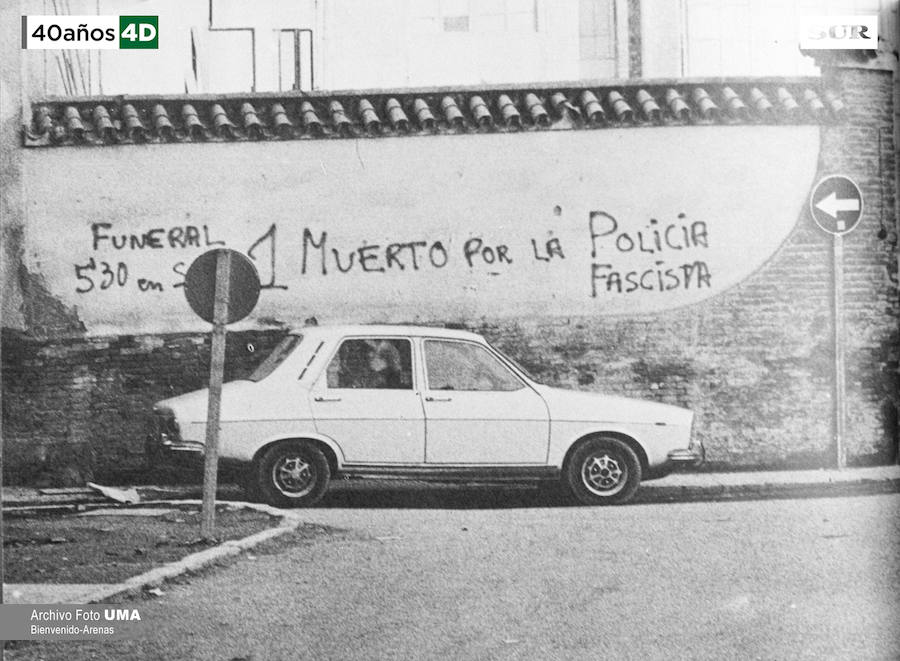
point(196, 561)
point(650, 492)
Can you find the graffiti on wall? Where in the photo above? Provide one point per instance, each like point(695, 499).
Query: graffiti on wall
point(654, 239)
point(450, 228)
point(317, 255)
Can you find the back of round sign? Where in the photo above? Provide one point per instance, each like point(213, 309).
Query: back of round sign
point(200, 285)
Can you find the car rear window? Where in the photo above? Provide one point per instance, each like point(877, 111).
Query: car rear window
point(381, 363)
point(274, 359)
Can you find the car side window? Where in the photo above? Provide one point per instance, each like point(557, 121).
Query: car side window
point(466, 366)
point(378, 362)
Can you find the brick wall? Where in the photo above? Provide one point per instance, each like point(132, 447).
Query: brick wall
point(77, 409)
point(756, 362)
point(866, 152)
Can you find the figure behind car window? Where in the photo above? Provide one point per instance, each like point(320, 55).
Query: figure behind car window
point(384, 364)
point(373, 363)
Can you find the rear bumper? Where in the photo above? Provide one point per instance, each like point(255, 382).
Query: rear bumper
point(187, 456)
point(169, 454)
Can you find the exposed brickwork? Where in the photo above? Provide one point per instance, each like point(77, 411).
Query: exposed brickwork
point(866, 153)
point(77, 409)
point(44, 315)
point(756, 362)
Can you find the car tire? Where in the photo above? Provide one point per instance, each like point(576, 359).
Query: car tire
point(292, 474)
point(603, 471)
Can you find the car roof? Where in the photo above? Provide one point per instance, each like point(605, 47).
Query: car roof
point(385, 330)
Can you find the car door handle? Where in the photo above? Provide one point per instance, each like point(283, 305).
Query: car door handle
point(438, 399)
point(326, 399)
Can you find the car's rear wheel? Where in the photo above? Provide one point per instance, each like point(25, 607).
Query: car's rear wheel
point(292, 474)
point(603, 471)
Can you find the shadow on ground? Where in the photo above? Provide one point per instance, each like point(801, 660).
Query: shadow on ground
point(442, 497)
point(503, 497)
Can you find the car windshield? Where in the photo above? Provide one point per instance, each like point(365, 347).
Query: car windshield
point(514, 363)
point(274, 359)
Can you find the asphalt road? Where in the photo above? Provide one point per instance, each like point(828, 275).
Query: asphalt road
point(494, 579)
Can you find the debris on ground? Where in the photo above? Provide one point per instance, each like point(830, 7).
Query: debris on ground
point(142, 511)
point(128, 496)
point(65, 491)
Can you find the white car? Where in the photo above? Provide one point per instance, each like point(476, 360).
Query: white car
point(421, 403)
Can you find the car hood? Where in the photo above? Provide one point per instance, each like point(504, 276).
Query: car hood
point(575, 405)
point(239, 399)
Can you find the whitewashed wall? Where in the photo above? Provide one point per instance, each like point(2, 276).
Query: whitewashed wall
point(567, 223)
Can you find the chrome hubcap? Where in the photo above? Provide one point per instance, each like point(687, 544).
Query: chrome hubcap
point(604, 474)
point(293, 476)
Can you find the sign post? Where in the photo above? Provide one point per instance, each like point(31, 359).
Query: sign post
point(836, 205)
point(222, 286)
point(840, 369)
point(214, 406)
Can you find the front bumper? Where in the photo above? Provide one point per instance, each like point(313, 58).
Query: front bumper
point(690, 457)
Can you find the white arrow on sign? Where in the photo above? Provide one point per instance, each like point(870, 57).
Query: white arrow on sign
point(830, 204)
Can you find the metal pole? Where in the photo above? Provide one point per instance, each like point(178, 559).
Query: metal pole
point(216, 373)
point(840, 394)
point(894, 40)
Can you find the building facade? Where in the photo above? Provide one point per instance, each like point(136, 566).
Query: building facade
point(225, 46)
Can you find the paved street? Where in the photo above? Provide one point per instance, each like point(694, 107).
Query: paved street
point(511, 578)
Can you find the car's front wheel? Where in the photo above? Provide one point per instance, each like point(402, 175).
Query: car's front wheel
point(603, 471)
point(292, 474)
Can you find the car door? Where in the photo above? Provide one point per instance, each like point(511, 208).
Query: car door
point(365, 400)
point(477, 411)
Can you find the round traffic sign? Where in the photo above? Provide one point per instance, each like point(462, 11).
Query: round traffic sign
point(836, 204)
point(200, 285)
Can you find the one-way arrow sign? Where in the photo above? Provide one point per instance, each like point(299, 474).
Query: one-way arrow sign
point(836, 204)
point(832, 204)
